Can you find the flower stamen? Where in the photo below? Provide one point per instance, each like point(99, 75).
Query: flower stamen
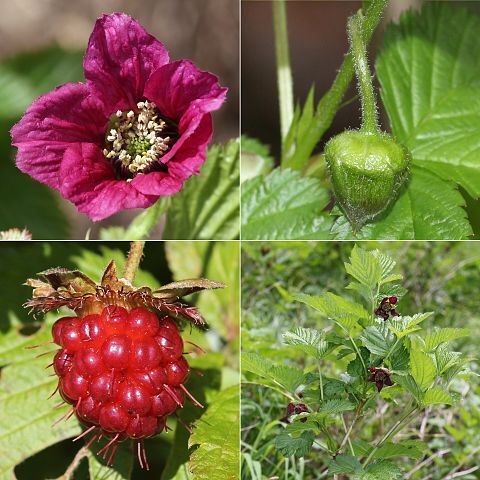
point(136, 140)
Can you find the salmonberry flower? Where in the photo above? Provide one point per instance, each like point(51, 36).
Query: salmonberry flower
point(387, 307)
point(381, 377)
point(135, 131)
point(295, 409)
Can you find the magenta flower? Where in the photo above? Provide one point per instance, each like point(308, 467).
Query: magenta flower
point(135, 131)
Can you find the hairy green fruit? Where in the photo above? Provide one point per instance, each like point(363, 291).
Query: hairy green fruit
point(367, 171)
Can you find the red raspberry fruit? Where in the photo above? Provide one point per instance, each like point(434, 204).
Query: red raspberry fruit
point(123, 372)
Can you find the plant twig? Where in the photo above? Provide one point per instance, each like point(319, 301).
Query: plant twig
point(133, 260)
point(284, 72)
point(461, 474)
point(81, 454)
point(426, 462)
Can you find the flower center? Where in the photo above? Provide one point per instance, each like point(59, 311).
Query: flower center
point(136, 140)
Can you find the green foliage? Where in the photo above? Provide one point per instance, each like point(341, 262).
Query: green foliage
point(333, 354)
point(283, 205)
point(435, 115)
point(208, 205)
point(217, 437)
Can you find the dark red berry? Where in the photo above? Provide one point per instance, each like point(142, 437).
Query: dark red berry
point(146, 354)
point(123, 371)
point(113, 418)
point(116, 351)
point(143, 322)
point(177, 372)
point(393, 300)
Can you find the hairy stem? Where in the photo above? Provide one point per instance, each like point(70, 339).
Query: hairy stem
point(358, 52)
point(284, 72)
point(331, 101)
point(133, 260)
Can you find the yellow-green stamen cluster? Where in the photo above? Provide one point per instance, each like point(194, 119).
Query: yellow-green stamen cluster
point(135, 140)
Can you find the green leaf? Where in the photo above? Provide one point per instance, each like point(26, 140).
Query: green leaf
point(428, 209)
point(422, 367)
point(345, 464)
point(409, 384)
point(308, 340)
point(408, 448)
point(444, 335)
point(369, 268)
point(378, 340)
point(208, 205)
point(217, 456)
point(436, 396)
point(255, 158)
point(428, 72)
point(256, 364)
point(403, 326)
point(282, 206)
point(382, 470)
point(297, 446)
point(337, 308)
point(399, 359)
point(333, 407)
point(27, 416)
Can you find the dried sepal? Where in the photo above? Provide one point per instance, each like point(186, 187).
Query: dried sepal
point(61, 287)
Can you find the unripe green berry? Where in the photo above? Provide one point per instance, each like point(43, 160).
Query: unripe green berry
point(367, 171)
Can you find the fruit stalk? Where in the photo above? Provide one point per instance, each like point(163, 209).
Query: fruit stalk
point(133, 260)
point(358, 51)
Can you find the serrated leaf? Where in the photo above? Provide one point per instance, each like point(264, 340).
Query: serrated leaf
point(365, 267)
point(333, 407)
point(217, 456)
point(429, 208)
point(282, 206)
point(297, 446)
point(399, 359)
point(403, 326)
point(422, 367)
point(445, 359)
point(27, 416)
point(208, 205)
point(256, 364)
point(308, 340)
point(409, 384)
point(337, 308)
point(378, 340)
point(345, 464)
point(443, 335)
point(383, 470)
point(435, 396)
point(428, 72)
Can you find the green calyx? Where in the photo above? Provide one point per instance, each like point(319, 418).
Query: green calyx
point(367, 172)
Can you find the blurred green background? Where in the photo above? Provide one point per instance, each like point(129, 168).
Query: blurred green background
point(442, 277)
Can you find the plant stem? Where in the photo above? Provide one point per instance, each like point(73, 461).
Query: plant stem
point(399, 425)
point(133, 260)
point(330, 102)
point(284, 72)
point(354, 421)
point(358, 52)
point(349, 442)
point(321, 380)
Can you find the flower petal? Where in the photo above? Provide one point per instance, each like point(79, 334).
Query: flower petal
point(120, 57)
point(87, 179)
point(180, 85)
point(186, 162)
point(67, 115)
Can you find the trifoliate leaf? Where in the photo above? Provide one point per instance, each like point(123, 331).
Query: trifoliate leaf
point(308, 340)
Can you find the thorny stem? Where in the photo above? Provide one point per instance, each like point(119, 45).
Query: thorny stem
point(284, 72)
point(133, 260)
point(358, 52)
point(399, 425)
point(332, 99)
